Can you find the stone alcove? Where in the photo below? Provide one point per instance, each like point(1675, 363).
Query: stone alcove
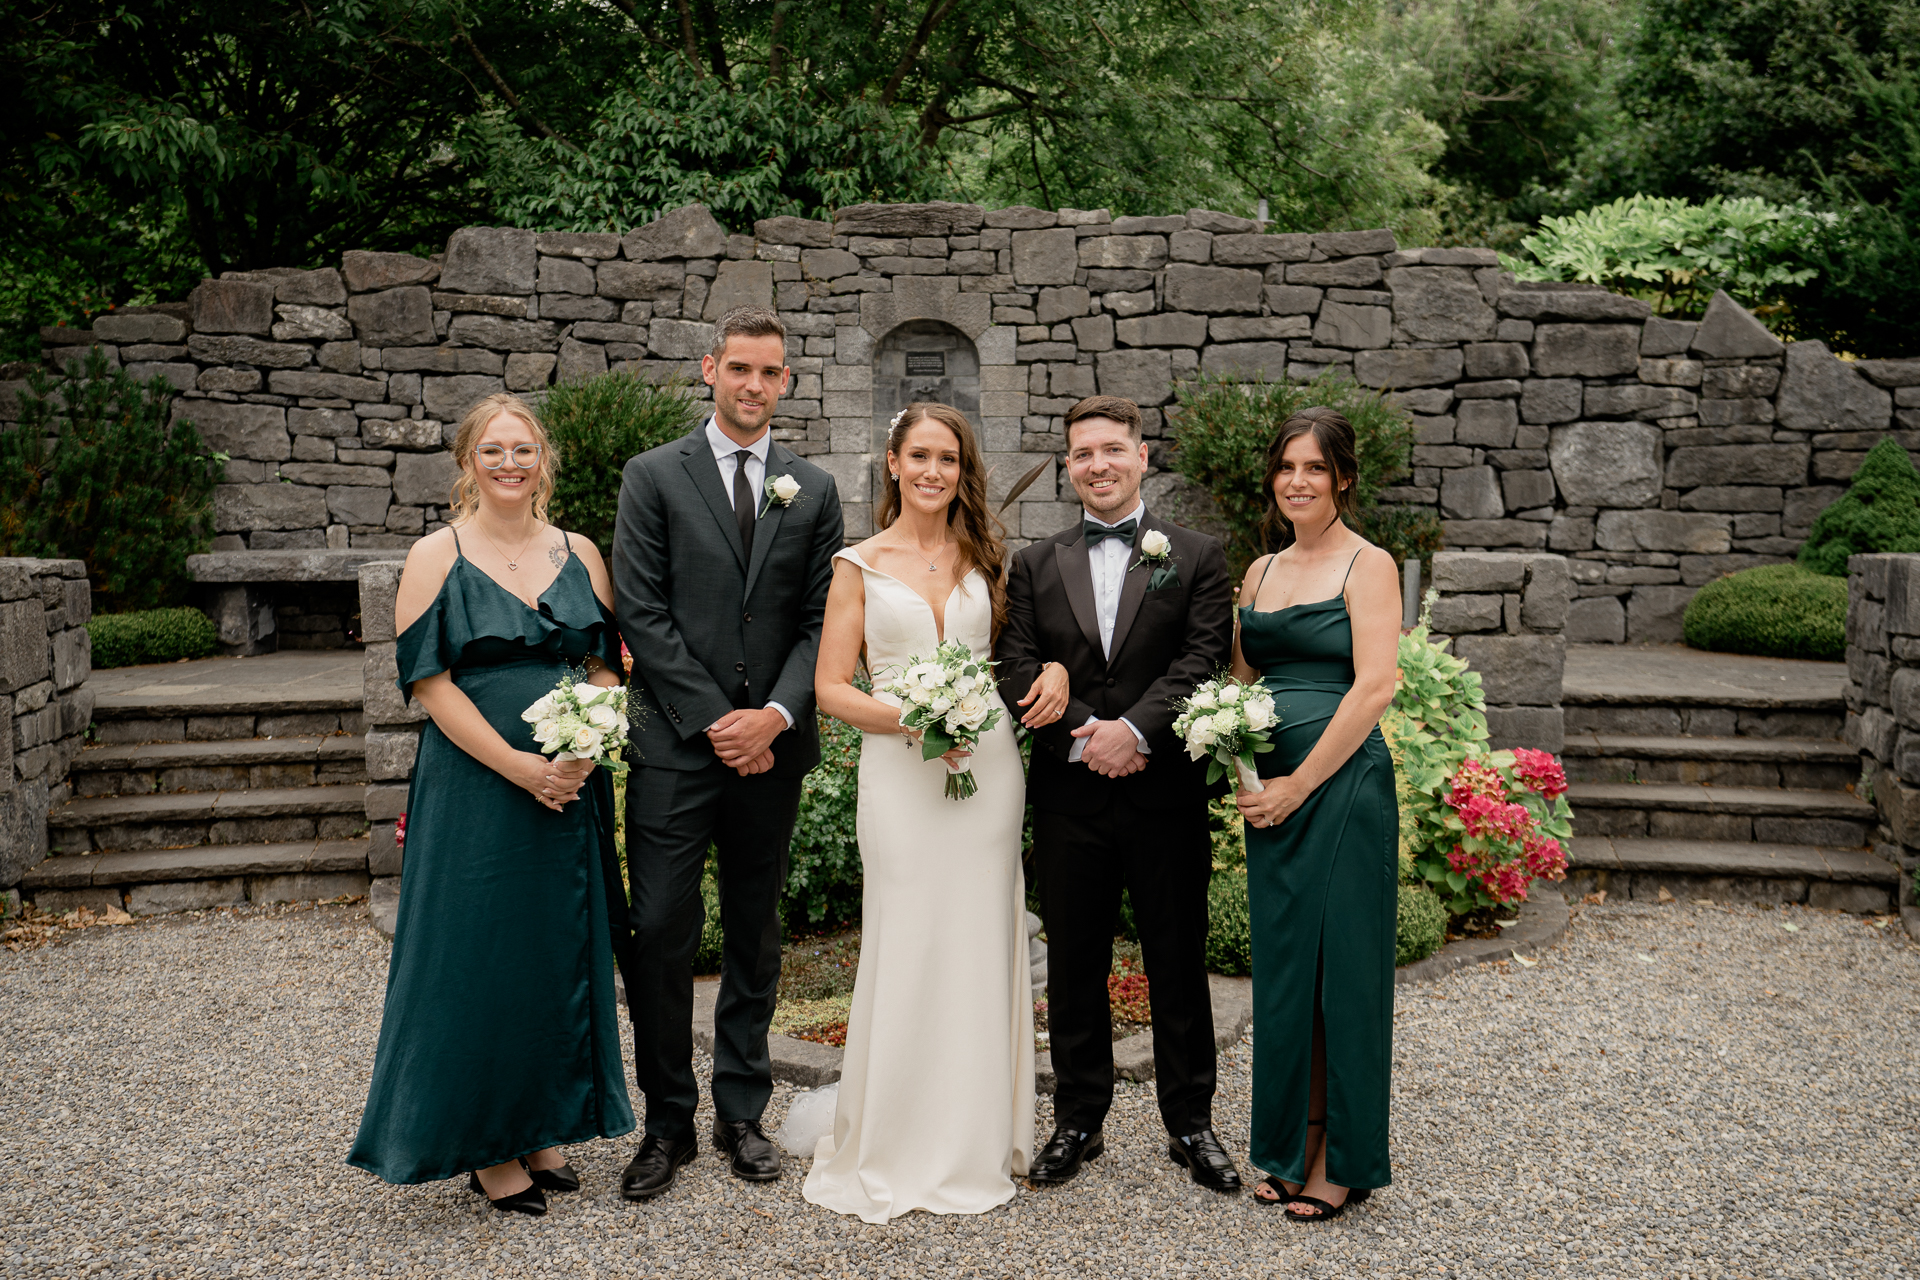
point(922, 360)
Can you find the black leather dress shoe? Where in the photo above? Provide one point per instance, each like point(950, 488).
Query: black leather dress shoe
point(1063, 1155)
point(654, 1165)
point(1208, 1161)
point(565, 1178)
point(754, 1157)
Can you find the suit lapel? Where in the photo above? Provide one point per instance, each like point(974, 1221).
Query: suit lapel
point(779, 462)
point(1076, 575)
point(705, 473)
point(1133, 589)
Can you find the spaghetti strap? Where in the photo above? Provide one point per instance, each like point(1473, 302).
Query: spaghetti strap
point(459, 552)
point(1263, 575)
point(568, 539)
point(1349, 572)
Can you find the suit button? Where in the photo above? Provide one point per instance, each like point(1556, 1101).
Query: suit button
point(746, 617)
point(739, 666)
point(1110, 682)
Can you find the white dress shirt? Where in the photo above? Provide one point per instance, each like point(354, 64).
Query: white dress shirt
point(1109, 562)
point(723, 450)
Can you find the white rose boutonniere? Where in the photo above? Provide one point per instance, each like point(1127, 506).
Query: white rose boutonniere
point(781, 491)
point(1156, 551)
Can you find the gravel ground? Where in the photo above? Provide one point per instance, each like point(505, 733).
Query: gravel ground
point(1645, 1100)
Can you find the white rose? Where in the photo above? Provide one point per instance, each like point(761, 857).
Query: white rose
point(1201, 734)
point(785, 488)
point(541, 710)
point(602, 716)
point(940, 705)
point(1259, 715)
point(972, 710)
point(547, 728)
point(921, 697)
point(586, 738)
point(1203, 698)
point(1229, 694)
point(965, 685)
point(1155, 543)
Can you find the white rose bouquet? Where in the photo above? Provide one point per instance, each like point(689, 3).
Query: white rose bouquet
point(1229, 722)
point(949, 700)
point(582, 721)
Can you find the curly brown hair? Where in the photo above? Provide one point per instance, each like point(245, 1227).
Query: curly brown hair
point(970, 517)
point(1334, 434)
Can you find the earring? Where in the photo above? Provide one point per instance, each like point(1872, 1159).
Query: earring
point(894, 476)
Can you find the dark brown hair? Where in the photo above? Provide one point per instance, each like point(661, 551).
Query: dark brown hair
point(970, 517)
point(1334, 434)
point(746, 322)
point(1119, 408)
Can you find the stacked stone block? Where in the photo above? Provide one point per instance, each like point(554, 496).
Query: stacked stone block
point(393, 736)
point(1883, 701)
point(1506, 614)
point(45, 654)
point(1654, 454)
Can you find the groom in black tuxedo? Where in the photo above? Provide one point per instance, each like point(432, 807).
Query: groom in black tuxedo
point(723, 552)
point(1139, 611)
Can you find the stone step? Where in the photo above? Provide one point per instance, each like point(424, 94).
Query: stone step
point(198, 878)
point(1812, 764)
point(1690, 811)
point(1714, 717)
point(144, 768)
point(222, 699)
point(183, 819)
point(1731, 871)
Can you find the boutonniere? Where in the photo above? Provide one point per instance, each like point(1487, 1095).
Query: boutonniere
point(781, 491)
point(1156, 551)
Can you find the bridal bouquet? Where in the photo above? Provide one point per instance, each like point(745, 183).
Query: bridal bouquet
point(949, 699)
point(582, 721)
point(1228, 722)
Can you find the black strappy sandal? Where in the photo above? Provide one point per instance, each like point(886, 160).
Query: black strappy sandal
point(1328, 1212)
point(1280, 1193)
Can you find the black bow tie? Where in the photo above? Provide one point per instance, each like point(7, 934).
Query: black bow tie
point(1095, 531)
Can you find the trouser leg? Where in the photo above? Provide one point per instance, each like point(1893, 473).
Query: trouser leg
point(670, 822)
point(1080, 903)
point(755, 826)
point(1168, 864)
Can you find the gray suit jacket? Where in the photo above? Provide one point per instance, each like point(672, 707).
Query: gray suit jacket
point(710, 631)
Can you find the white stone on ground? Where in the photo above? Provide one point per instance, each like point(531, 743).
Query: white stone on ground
point(1672, 1091)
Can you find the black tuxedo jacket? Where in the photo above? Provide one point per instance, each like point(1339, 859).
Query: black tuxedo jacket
point(1165, 642)
point(709, 629)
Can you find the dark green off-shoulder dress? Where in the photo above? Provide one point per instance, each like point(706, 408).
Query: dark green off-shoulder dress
point(499, 1036)
point(1322, 889)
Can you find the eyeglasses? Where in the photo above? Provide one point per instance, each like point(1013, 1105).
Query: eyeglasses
point(493, 457)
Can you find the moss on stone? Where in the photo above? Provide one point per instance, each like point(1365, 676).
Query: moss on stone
point(1880, 511)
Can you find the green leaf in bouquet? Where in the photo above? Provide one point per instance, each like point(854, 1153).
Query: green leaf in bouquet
point(1215, 770)
point(935, 742)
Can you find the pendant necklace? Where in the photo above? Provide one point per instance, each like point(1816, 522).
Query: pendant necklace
point(933, 565)
point(513, 561)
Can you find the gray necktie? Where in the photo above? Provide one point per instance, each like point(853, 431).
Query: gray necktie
point(743, 503)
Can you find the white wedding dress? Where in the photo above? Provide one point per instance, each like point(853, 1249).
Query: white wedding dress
point(936, 1094)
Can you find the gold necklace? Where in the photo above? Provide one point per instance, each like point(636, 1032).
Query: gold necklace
point(513, 561)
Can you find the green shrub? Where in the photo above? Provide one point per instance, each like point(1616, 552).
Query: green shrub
point(103, 478)
point(1229, 926)
point(155, 635)
point(706, 957)
point(823, 875)
point(1880, 511)
point(1421, 926)
point(1225, 427)
point(597, 424)
point(1776, 611)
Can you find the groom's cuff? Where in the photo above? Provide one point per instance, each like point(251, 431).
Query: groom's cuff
point(788, 715)
point(1080, 744)
point(1145, 750)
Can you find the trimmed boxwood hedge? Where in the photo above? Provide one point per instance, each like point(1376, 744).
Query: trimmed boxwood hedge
point(1775, 611)
point(1422, 924)
point(151, 635)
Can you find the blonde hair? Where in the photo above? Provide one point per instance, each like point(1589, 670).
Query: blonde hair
point(465, 497)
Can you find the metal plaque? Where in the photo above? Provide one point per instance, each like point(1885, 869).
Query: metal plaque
point(926, 364)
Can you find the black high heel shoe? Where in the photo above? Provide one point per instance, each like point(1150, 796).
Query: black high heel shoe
point(530, 1202)
point(565, 1178)
point(1328, 1212)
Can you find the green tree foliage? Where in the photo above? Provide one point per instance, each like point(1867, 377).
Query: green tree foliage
point(102, 477)
point(824, 876)
point(597, 424)
point(1675, 253)
point(1880, 511)
point(152, 635)
point(1776, 611)
point(1225, 427)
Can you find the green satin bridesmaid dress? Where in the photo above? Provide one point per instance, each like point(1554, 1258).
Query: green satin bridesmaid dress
point(1322, 889)
point(500, 1035)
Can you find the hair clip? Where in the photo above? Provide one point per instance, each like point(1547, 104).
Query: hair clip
point(897, 418)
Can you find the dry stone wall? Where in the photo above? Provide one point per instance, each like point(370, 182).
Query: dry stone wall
point(1654, 454)
point(1883, 701)
point(45, 654)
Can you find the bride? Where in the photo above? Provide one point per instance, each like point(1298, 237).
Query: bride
point(935, 1107)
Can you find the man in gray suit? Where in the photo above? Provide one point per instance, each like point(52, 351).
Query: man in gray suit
point(722, 556)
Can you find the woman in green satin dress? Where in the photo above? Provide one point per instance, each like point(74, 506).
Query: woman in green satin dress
point(499, 1043)
point(1320, 625)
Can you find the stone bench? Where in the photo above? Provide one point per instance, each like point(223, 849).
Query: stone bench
point(238, 588)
